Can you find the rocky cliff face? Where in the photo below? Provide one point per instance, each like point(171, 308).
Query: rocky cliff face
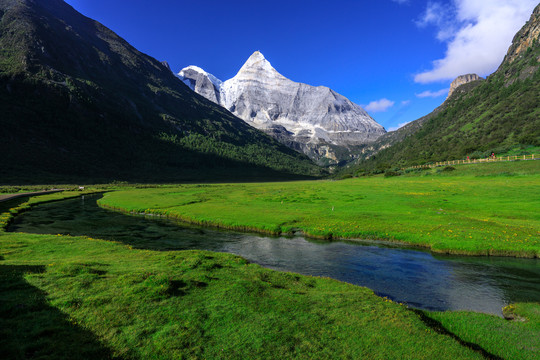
point(201, 82)
point(525, 37)
point(315, 120)
point(523, 51)
point(460, 80)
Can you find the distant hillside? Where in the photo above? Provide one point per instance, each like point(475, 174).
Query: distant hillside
point(480, 117)
point(78, 103)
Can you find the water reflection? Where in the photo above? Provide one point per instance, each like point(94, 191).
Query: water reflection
point(403, 274)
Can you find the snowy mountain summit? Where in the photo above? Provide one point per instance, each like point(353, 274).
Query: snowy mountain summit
point(315, 120)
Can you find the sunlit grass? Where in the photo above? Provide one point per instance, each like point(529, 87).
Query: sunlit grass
point(78, 297)
point(516, 339)
point(487, 213)
point(61, 292)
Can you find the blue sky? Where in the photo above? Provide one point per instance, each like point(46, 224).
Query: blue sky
point(396, 58)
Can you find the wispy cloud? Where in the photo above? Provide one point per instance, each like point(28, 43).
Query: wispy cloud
point(401, 1)
point(442, 16)
point(379, 105)
point(477, 33)
point(399, 113)
point(394, 128)
point(433, 94)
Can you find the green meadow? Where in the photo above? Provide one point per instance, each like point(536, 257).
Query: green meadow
point(63, 296)
point(74, 295)
point(480, 209)
point(77, 297)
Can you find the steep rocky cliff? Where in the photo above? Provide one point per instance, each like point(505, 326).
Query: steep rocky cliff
point(525, 37)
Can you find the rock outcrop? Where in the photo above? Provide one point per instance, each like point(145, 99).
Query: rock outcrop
point(460, 80)
point(315, 120)
point(524, 49)
point(525, 37)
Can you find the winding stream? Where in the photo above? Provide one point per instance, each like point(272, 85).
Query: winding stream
point(417, 277)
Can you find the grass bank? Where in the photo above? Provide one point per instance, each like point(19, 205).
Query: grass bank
point(11, 208)
point(516, 339)
point(481, 209)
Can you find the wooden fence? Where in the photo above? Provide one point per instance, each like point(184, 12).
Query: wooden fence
point(475, 161)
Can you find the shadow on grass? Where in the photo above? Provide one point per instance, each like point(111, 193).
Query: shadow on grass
point(31, 328)
point(439, 328)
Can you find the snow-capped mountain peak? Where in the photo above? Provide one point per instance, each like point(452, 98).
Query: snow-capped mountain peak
point(257, 65)
point(307, 118)
point(183, 75)
point(201, 82)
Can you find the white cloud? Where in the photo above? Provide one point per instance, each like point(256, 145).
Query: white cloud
point(401, 1)
point(441, 16)
point(394, 128)
point(405, 102)
point(379, 105)
point(478, 34)
point(433, 94)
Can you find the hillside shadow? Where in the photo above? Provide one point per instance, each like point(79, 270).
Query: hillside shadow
point(31, 328)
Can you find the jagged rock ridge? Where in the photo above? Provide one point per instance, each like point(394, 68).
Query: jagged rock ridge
point(314, 120)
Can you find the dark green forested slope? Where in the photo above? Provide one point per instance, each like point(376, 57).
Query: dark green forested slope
point(482, 117)
point(78, 103)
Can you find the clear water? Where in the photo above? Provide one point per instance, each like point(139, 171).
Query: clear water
point(418, 278)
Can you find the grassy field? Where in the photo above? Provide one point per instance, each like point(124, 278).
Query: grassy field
point(518, 339)
point(481, 209)
point(67, 297)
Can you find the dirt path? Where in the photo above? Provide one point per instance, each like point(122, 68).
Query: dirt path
point(14, 196)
